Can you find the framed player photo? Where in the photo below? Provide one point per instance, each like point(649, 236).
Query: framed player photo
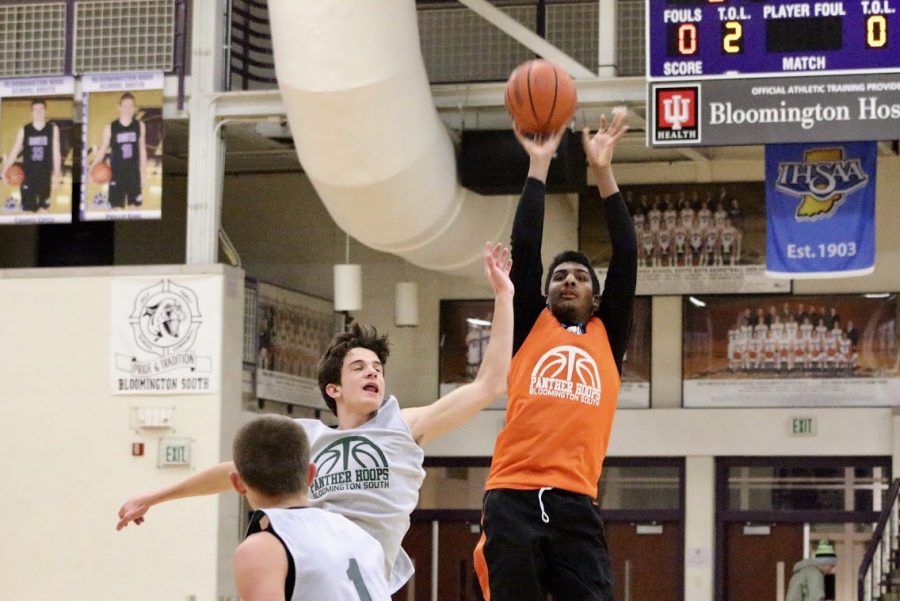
point(123, 147)
point(791, 351)
point(692, 238)
point(466, 329)
point(37, 147)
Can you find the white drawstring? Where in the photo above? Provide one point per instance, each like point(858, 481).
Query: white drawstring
point(544, 516)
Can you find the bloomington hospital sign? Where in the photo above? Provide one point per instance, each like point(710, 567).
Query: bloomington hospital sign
point(775, 110)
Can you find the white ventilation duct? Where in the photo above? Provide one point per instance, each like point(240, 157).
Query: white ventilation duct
point(359, 104)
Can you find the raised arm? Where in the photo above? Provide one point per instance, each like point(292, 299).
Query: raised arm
point(210, 481)
point(527, 235)
point(621, 277)
point(454, 409)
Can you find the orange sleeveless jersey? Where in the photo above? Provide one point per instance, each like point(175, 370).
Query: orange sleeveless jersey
point(563, 389)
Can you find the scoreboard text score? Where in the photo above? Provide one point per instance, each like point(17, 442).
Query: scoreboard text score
point(695, 39)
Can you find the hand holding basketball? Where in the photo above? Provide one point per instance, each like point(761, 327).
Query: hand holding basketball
point(540, 97)
point(15, 175)
point(101, 173)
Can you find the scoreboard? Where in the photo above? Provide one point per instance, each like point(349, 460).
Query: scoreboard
point(698, 39)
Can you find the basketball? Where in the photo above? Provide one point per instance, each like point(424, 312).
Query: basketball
point(15, 175)
point(540, 97)
point(101, 173)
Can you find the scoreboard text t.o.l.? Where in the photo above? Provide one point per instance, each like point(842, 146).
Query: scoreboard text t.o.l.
point(696, 39)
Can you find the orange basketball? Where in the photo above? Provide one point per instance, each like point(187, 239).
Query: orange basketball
point(540, 96)
point(101, 173)
point(15, 175)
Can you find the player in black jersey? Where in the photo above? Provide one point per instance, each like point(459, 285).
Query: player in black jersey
point(124, 140)
point(38, 143)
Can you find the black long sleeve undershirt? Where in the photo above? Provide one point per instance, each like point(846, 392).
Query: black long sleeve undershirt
point(527, 269)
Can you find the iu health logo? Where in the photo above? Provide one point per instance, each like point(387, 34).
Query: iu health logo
point(822, 180)
point(566, 372)
point(350, 463)
point(677, 114)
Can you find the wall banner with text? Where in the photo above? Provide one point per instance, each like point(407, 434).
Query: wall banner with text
point(165, 335)
point(37, 146)
point(820, 208)
point(122, 158)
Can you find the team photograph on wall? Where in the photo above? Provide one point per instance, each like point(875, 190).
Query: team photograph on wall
point(292, 332)
point(122, 176)
point(789, 350)
point(692, 238)
point(36, 149)
point(466, 330)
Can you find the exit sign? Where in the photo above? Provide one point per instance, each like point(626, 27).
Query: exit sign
point(174, 452)
point(803, 426)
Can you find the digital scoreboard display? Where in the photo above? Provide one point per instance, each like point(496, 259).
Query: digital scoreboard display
point(694, 39)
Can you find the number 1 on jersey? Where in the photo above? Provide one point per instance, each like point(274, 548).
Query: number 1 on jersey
point(356, 578)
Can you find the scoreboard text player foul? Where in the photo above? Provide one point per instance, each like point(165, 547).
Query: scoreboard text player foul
point(698, 39)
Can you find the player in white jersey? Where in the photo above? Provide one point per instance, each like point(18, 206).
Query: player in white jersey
point(670, 217)
point(847, 357)
point(351, 380)
point(711, 254)
point(821, 328)
point(704, 216)
point(731, 248)
point(647, 246)
point(664, 248)
point(696, 240)
point(638, 219)
point(754, 353)
point(798, 349)
point(293, 551)
point(783, 358)
point(770, 347)
point(679, 236)
point(806, 329)
point(815, 358)
point(654, 217)
point(732, 354)
point(830, 346)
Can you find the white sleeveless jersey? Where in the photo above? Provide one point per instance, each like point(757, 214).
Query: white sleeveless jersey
point(332, 558)
point(371, 475)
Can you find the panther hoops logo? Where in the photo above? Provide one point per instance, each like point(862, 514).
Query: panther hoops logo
point(822, 180)
point(676, 114)
point(350, 463)
point(567, 372)
point(166, 318)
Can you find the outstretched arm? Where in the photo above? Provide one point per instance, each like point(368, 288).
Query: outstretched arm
point(527, 234)
point(454, 409)
point(621, 277)
point(210, 481)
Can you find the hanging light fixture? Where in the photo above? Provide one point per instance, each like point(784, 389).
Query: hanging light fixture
point(406, 304)
point(347, 284)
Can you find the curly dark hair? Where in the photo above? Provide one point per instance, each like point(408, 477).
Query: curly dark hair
point(359, 336)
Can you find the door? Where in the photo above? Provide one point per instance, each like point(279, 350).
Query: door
point(647, 560)
point(455, 570)
point(417, 544)
point(752, 555)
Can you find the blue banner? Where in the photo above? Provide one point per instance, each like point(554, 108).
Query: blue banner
point(820, 209)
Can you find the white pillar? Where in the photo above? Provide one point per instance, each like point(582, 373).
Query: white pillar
point(699, 528)
point(606, 39)
point(205, 149)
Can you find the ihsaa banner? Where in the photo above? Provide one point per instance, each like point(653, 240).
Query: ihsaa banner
point(820, 209)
